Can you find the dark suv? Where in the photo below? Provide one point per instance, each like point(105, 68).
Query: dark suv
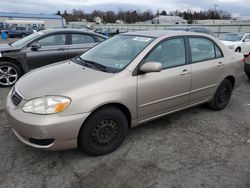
point(43, 48)
point(20, 32)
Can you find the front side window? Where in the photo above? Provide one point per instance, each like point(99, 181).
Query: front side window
point(169, 53)
point(247, 37)
point(201, 49)
point(58, 39)
point(117, 52)
point(82, 39)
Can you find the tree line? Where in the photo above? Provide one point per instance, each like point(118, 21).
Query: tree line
point(141, 16)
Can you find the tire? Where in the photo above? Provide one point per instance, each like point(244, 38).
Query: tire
point(103, 132)
point(23, 35)
point(222, 96)
point(248, 75)
point(9, 74)
point(238, 50)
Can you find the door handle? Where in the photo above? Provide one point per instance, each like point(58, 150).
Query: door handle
point(185, 71)
point(61, 49)
point(220, 64)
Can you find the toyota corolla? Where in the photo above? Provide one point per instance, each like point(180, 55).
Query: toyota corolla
point(91, 101)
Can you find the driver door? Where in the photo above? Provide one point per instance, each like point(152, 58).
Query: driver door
point(53, 49)
point(162, 92)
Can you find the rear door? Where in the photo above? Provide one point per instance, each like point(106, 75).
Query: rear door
point(207, 64)
point(79, 43)
point(168, 90)
point(53, 49)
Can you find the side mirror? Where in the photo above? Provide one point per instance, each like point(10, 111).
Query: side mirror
point(246, 40)
point(151, 67)
point(35, 46)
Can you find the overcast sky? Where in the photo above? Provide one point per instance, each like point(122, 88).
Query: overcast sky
point(236, 7)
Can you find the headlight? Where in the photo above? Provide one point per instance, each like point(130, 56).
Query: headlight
point(47, 105)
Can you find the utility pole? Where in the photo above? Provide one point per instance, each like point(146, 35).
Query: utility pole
point(215, 10)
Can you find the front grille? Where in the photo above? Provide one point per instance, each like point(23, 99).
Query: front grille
point(15, 97)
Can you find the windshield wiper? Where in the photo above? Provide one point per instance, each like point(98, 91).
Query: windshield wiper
point(92, 63)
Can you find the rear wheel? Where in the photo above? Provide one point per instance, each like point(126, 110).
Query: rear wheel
point(9, 74)
point(103, 132)
point(222, 96)
point(23, 35)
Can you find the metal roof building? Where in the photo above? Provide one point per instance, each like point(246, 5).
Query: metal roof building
point(28, 19)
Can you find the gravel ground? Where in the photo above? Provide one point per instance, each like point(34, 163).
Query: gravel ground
point(192, 148)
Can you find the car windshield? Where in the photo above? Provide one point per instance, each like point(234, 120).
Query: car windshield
point(27, 39)
point(117, 52)
point(233, 37)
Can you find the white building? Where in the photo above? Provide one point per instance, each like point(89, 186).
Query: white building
point(168, 20)
point(33, 20)
point(97, 20)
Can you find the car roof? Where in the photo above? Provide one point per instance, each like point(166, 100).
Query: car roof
point(158, 33)
point(48, 31)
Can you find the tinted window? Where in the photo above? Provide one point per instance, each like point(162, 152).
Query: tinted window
point(170, 53)
point(201, 49)
point(52, 40)
point(82, 39)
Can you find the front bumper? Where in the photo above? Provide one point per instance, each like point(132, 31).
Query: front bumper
point(63, 130)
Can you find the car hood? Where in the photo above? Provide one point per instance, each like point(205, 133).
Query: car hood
point(58, 79)
point(5, 47)
point(229, 43)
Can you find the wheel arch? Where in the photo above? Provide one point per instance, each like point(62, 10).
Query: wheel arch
point(238, 47)
point(117, 105)
point(231, 79)
point(19, 64)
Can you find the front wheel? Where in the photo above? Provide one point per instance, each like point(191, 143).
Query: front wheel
point(222, 96)
point(103, 132)
point(238, 50)
point(9, 74)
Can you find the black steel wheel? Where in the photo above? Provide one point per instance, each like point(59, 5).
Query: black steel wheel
point(222, 96)
point(103, 132)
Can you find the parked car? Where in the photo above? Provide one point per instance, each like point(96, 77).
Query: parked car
point(91, 101)
point(197, 29)
point(239, 42)
point(107, 32)
point(247, 66)
point(42, 48)
point(20, 32)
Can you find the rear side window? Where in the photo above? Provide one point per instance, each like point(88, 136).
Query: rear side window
point(82, 39)
point(201, 49)
point(52, 40)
